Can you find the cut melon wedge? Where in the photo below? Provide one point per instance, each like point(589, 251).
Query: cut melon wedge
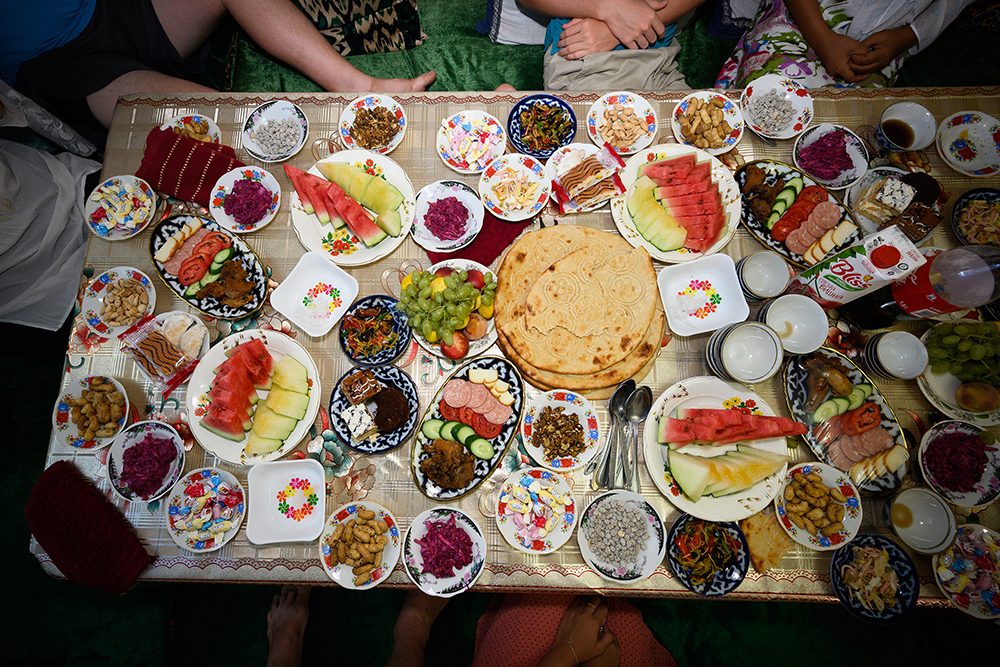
point(259, 446)
point(692, 473)
point(269, 424)
point(288, 403)
point(291, 375)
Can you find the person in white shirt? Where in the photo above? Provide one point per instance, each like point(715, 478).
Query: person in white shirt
point(836, 42)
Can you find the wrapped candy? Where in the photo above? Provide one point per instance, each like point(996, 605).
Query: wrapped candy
point(592, 181)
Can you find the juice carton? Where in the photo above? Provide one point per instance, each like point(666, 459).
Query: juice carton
point(877, 260)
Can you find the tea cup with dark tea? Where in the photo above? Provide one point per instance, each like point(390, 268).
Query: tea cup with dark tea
point(906, 126)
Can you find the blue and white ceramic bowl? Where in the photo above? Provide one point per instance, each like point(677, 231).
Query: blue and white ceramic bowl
point(908, 586)
point(384, 355)
point(722, 582)
point(515, 130)
point(390, 376)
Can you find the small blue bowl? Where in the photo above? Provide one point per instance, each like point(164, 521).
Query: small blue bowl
point(908, 588)
point(385, 355)
point(726, 580)
point(515, 131)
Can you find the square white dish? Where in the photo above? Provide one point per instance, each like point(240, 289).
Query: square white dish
point(287, 501)
point(315, 295)
point(702, 295)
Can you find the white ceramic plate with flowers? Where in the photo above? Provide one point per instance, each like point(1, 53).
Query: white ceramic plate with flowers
point(194, 123)
point(710, 392)
point(62, 423)
point(986, 489)
point(967, 142)
point(650, 552)
point(205, 510)
point(469, 140)
point(514, 187)
point(536, 511)
point(452, 578)
point(568, 403)
point(103, 308)
point(315, 295)
point(562, 160)
point(641, 109)
point(831, 478)
point(730, 113)
point(150, 474)
point(820, 167)
point(275, 131)
point(722, 179)
point(287, 501)
point(339, 244)
point(780, 92)
point(454, 233)
point(702, 296)
point(245, 199)
point(120, 207)
point(341, 572)
point(371, 102)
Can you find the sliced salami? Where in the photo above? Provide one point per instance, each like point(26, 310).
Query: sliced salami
point(796, 242)
point(499, 414)
point(876, 441)
point(813, 227)
point(478, 396)
point(827, 215)
point(837, 456)
point(457, 393)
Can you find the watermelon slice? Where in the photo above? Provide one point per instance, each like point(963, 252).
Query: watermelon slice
point(720, 427)
point(677, 167)
point(257, 360)
point(236, 379)
point(322, 206)
point(356, 217)
point(225, 422)
point(664, 195)
point(295, 175)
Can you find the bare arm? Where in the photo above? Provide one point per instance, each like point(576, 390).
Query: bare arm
point(634, 23)
point(676, 9)
point(834, 50)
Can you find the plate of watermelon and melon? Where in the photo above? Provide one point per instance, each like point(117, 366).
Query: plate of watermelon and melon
point(716, 450)
point(680, 203)
point(253, 397)
point(354, 206)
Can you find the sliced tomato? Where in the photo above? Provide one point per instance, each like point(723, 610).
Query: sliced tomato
point(487, 429)
point(467, 416)
point(192, 270)
point(788, 223)
point(859, 420)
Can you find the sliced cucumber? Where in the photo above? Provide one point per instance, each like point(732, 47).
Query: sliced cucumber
point(787, 196)
point(192, 289)
point(432, 428)
point(826, 410)
point(856, 397)
point(215, 268)
point(796, 184)
point(843, 405)
point(867, 388)
point(464, 434)
point(481, 448)
point(448, 430)
point(222, 255)
point(209, 278)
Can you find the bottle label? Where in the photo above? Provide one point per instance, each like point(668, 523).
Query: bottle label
point(916, 296)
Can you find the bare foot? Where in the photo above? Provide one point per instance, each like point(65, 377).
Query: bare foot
point(413, 627)
point(404, 85)
point(286, 626)
point(505, 88)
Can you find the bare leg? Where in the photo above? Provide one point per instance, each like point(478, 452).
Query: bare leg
point(281, 30)
point(413, 627)
point(286, 626)
point(102, 103)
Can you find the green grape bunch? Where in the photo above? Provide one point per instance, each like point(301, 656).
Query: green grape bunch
point(968, 350)
point(437, 306)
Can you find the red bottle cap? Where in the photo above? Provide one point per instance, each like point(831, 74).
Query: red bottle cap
point(885, 256)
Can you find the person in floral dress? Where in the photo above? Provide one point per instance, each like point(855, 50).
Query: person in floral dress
point(836, 42)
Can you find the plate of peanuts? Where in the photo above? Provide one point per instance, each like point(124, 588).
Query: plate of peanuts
point(818, 506)
point(709, 121)
point(117, 299)
point(360, 545)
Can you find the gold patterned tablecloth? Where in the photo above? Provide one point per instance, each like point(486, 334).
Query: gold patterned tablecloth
point(803, 575)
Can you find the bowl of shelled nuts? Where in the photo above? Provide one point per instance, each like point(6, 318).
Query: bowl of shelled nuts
point(709, 121)
point(818, 506)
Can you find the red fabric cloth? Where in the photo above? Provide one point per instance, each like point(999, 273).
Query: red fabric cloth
point(183, 167)
point(87, 537)
point(518, 630)
point(490, 243)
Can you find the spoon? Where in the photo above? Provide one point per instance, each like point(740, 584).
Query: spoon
point(616, 411)
point(636, 409)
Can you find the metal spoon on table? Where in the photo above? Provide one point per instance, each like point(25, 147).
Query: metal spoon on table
point(616, 412)
point(636, 409)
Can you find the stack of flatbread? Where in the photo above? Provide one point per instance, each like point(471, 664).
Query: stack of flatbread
point(578, 308)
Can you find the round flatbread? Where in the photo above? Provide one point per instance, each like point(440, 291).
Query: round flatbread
point(575, 300)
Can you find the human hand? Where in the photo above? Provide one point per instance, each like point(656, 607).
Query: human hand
point(582, 37)
point(882, 48)
point(582, 629)
point(836, 50)
point(634, 23)
point(610, 658)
